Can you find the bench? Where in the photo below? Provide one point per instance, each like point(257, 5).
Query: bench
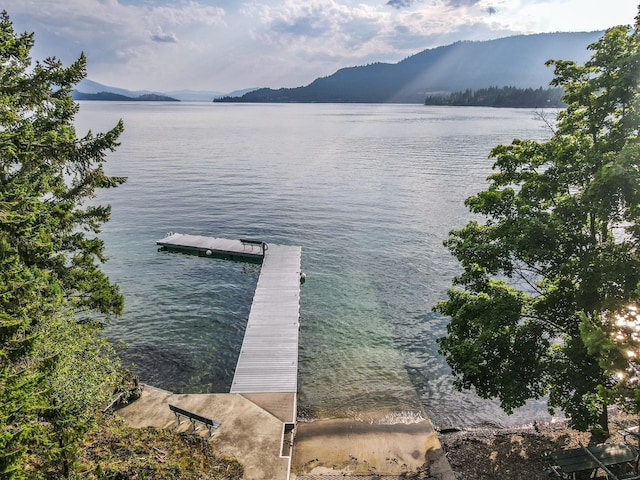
point(194, 418)
point(568, 463)
point(259, 243)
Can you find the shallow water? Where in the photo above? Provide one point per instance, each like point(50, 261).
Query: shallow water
point(368, 191)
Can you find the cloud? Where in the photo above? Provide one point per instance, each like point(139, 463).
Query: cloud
point(185, 13)
point(323, 25)
point(400, 3)
point(109, 31)
point(462, 3)
point(162, 37)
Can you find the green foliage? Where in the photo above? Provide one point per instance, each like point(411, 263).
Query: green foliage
point(559, 244)
point(501, 97)
point(614, 338)
point(54, 368)
point(81, 382)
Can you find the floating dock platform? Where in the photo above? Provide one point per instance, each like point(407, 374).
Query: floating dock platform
point(239, 250)
point(268, 360)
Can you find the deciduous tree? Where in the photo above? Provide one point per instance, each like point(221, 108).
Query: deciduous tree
point(558, 243)
point(614, 338)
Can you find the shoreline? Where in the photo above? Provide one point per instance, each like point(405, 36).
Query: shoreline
point(253, 432)
point(507, 453)
point(348, 446)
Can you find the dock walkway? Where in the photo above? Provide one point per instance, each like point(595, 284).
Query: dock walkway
point(268, 360)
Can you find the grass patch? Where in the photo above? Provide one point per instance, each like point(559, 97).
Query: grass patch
point(117, 451)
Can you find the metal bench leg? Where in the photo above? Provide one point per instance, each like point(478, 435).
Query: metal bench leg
point(179, 420)
point(193, 422)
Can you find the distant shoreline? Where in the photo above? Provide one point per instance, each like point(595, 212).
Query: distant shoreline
point(116, 97)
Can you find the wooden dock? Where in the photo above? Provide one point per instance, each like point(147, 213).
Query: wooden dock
point(268, 360)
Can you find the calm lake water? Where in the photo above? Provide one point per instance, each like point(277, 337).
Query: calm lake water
point(368, 191)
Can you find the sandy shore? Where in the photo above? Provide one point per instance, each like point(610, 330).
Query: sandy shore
point(346, 447)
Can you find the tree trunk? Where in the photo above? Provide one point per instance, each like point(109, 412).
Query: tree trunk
point(65, 462)
point(601, 432)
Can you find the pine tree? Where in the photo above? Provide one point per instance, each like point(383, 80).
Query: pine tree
point(51, 285)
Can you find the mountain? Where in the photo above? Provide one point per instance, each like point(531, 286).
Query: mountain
point(237, 93)
point(111, 96)
point(194, 95)
point(517, 61)
point(86, 86)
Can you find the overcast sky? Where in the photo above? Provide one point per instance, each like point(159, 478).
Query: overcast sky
point(224, 45)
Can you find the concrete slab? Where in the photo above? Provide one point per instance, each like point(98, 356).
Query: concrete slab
point(247, 433)
point(280, 405)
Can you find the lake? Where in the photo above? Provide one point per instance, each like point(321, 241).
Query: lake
point(369, 191)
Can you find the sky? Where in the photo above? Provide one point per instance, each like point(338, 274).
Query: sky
point(226, 45)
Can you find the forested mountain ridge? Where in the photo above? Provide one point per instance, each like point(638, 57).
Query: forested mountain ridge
point(110, 96)
point(502, 97)
point(517, 61)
